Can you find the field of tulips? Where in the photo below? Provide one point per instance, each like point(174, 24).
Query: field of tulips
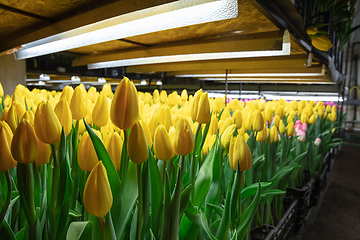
point(83, 164)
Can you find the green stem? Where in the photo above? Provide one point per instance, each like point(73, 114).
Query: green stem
point(31, 202)
point(140, 199)
point(193, 166)
point(164, 171)
point(124, 166)
point(8, 196)
point(53, 206)
point(102, 223)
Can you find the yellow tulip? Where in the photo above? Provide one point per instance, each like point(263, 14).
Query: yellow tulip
point(147, 132)
point(114, 148)
point(294, 105)
point(44, 153)
point(226, 136)
point(63, 112)
point(67, 93)
point(4, 114)
point(247, 120)
point(108, 129)
point(184, 141)
point(277, 121)
point(24, 146)
point(124, 110)
point(279, 111)
point(165, 116)
point(312, 30)
point(312, 119)
point(322, 43)
point(258, 123)
point(224, 124)
point(6, 159)
point(184, 95)
point(98, 198)
point(328, 108)
point(289, 119)
point(239, 153)
point(87, 157)
point(163, 148)
point(78, 104)
point(290, 129)
point(218, 104)
point(29, 115)
point(163, 96)
point(1, 91)
point(137, 145)
point(268, 114)
point(304, 118)
point(107, 90)
point(47, 125)
point(101, 111)
point(200, 110)
point(209, 143)
point(273, 134)
point(214, 125)
point(262, 135)
point(15, 114)
point(92, 94)
point(153, 123)
point(237, 116)
point(156, 96)
point(282, 128)
point(225, 114)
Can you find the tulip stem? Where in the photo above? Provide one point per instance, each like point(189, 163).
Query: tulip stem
point(164, 171)
point(31, 202)
point(124, 165)
point(102, 223)
point(8, 196)
point(193, 165)
point(140, 207)
point(53, 206)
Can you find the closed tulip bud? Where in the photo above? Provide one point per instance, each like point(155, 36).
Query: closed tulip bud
point(165, 116)
point(247, 120)
point(304, 118)
point(87, 157)
point(268, 114)
point(1, 91)
point(101, 111)
point(279, 111)
point(24, 146)
point(333, 109)
point(277, 121)
point(225, 137)
point(147, 132)
point(6, 159)
point(163, 148)
point(92, 94)
point(15, 114)
point(47, 125)
point(63, 113)
point(239, 153)
point(258, 122)
point(312, 119)
point(184, 141)
point(217, 105)
point(114, 148)
point(262, 135)
point(156, 96)
point(44, 153)
point(163, 96)
point(289, 119)
point(78, 104)
point(209, 143)
point(67, 93)
point(153, 123)
point(98, 198)
point(108, 129)
point(237, 116)
point(290, 129)
point(4, 114)
point(107, 90)
point(312, 30)
point(322, 43)
point(282, 128)
point(328, 108)
point(124, 110)
point(200, 109)
point(332, 131)
point(317, 142)
point(321, 111)
point(214, 125)
point(225, 114)
point(137, 145)
point(184, 95)
point(273, 134)
point(302, 136)
point(29, 115)
point(224, 124)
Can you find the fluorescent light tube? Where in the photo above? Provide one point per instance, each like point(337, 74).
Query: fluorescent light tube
point(164, 17)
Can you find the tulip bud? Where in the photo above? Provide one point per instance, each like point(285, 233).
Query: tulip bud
point(312, 119)
point(78, 104)
point(47, 125)
point(165, 116)
point(224, 124)
point(302, 136)
point(6, 159)
point(137, 145)
point(92, 94)
point(67, 93)
point(258, 123)
point(163, 96)
point(262, 135)
point(209, 143)
point(279, 111)
point(184, 95)
point(322, 43)
point(29, 115)
point(101, 111)
point(225, 114)
point(247, 120)
point(225, 137)
point(87, 157)
point(63, 113)
point(124, 110)
point(200, 110)
point(214, 125)
point(153, 123)
point(239, 152)
point(268, 114)
point(304, 118)
point(107, 90)
point(290, 129)
point(4, 114)
point(237, 116)
point(184, 141)
point(15, 114)
point(1, 91)
point(24, 146)
point(114, 148)
point(163, 148)
point(98, 198)
point(273, 134)
point(277, 121)
point(312, 30)
point(317, 142)
point(156, 96)
point(282, 128)
point(44, 153)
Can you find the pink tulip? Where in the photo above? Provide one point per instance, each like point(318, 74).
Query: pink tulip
point(317, 141)
point(304, 127)
point(302, 136)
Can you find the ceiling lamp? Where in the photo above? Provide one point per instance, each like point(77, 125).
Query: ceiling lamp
point(164, 17)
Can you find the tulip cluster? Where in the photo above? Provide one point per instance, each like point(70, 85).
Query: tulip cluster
point(138, 165)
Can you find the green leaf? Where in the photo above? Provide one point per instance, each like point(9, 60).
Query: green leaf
point(225, 220)
point(235, 194)
point(219, 210)
point(113, 176)
point(73, 213)
point(252, 189)
point(185, 199)
point(6, 232)
point(79, 231)
point(247, 216)
point(109, 231)
point(165, 225)
point(200, 220)
point(175, 207)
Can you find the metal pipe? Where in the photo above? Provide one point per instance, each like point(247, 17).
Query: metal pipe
point(226, 86)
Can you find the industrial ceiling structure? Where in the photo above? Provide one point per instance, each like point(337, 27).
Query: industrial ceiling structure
point(214, 44)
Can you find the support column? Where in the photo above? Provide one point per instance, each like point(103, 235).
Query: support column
point(12, 73)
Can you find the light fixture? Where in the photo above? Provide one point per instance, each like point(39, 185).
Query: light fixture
point(171, 58)
point(159, 82)
point(306, 98)
point(44, 77)
point(101, 80)
point(143, 82)
point(164, 17)
point(75, 79)
point(232, 95)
